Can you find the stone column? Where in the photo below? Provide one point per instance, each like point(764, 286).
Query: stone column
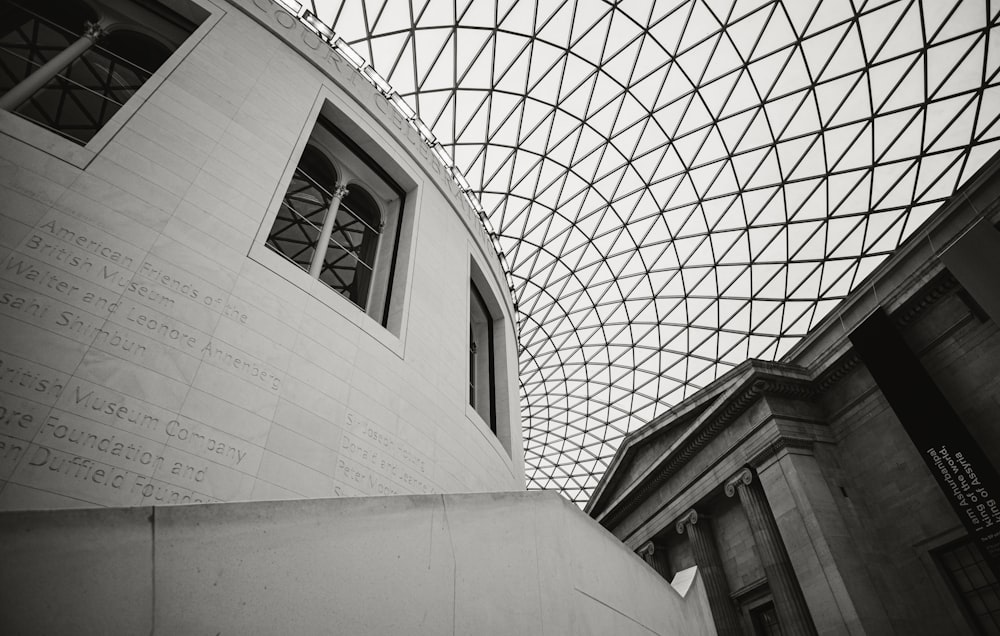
point(706, 557)
point(323, 243)
point(30, 85)
point(648, 553)
point(789, 603)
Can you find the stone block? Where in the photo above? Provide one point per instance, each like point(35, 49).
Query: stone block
point(93, 564)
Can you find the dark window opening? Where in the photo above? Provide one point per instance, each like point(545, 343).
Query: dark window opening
point(482, 383)
point(64, 68)
point(764, 619)
point(303, 210)
point(350, 255)
point(974, 583)
point(330, 224)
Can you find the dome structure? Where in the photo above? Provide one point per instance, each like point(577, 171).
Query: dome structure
point(679, 185)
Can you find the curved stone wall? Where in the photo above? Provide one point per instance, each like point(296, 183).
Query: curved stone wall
point(154, 350)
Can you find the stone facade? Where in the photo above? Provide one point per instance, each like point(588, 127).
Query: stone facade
point(860, 521)
point(155, 351)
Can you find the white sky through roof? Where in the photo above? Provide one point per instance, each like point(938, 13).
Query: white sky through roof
point(678, 186)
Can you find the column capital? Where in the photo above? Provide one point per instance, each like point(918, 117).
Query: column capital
point(94, 30)
point(743, 477)
point(706, 556)
point(646, 550)
point(319, 255)
point(59, 62)
point(789, 601)
point(690, 518)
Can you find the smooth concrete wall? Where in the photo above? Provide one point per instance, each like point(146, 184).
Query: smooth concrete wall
point(154, 351)
point(503, 563)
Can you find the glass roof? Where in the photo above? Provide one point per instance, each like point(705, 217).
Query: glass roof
point(675, 185)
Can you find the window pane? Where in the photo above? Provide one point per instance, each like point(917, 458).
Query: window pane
point(974, 580)
point(481, 380)
point(81, 97)
point(300, 219)
point(765, 620)
point(32, 33)
point(350, 257)
point(338, 191)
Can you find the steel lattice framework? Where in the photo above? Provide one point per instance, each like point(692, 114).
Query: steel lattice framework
point(679, 185)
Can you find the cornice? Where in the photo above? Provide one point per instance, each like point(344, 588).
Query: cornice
point(754, 387)
point(907, 285)
point(751, 589)
point(908, 273)
point(943, 284)
point(779, 445)
point(762, 379)
point(836, 372)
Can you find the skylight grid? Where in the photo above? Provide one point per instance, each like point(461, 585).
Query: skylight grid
point(678, 186)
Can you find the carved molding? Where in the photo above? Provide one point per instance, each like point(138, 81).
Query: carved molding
point(744, 477)
point(789, 387)
point(765, 382)
point(942, 285)
point(778, 445)
point(837, 372)
point(735, 407)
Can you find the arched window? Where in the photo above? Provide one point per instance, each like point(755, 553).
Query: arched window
point(32, 33)
point(63, 68)
point(300, 219)
point(339, 220)
point(350, 257)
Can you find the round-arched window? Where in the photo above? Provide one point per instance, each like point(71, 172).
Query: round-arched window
point(100, 67)
point(350, 258)
point(303, 210)
point(341, 226)
point(32, 33)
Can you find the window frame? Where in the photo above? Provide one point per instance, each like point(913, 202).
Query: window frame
point(81, 156)
point(937, 554)
point(501, 433)
point(476, 365)
point(401, 192)
point(372, 241)
point(377, 294)
point(751, 598)
point(364, 132)
point(755, 614)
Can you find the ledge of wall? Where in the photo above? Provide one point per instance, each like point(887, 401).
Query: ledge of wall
point(493, 563)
